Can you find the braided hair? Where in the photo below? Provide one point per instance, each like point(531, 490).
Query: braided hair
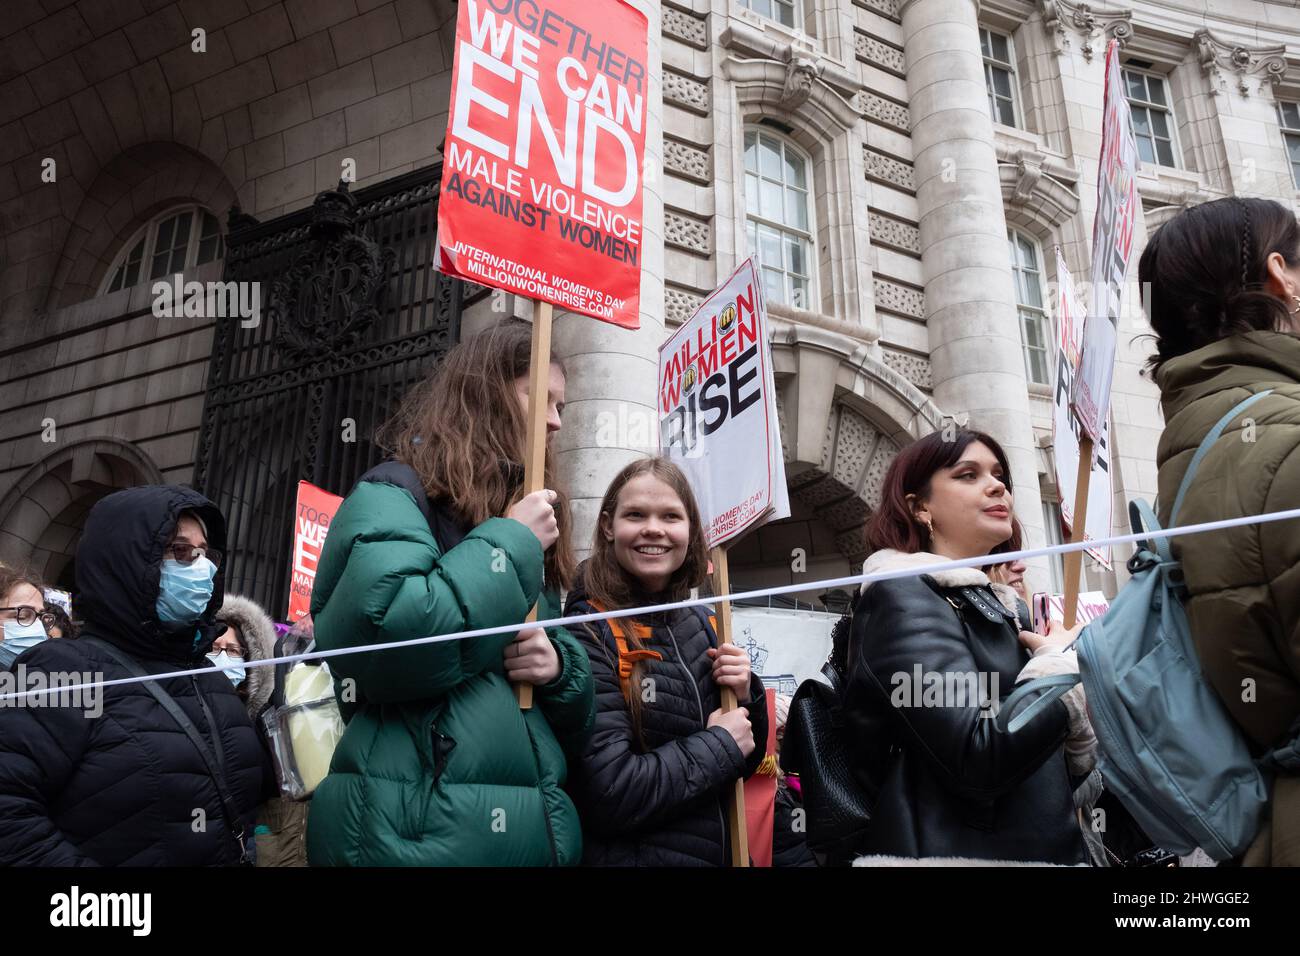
point(1203, 272)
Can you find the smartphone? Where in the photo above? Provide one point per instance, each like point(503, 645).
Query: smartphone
point(1041, 612)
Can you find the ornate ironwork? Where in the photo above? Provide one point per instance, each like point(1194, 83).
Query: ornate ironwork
point(355, 316)
point(331, 293)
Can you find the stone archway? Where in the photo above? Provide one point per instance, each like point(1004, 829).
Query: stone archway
point(42, 514)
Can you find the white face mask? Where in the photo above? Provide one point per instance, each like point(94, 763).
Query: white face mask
point(19, 637)
point(231, 666)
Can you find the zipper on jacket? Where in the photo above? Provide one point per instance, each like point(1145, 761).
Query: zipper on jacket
point(699, 701)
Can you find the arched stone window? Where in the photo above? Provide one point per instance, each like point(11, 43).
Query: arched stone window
point(779, 216)
point(174, 241)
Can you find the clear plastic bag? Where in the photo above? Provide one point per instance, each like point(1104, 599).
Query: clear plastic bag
point(305, 730)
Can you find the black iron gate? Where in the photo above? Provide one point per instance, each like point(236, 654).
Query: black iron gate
point(352, 314)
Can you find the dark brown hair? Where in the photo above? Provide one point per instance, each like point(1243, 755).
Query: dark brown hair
point(11, 577)
point(463, 432)
point(1203, 273)
point(609, 585)
point(893, 525)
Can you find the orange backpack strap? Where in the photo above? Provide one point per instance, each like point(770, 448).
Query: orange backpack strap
point(627, 656)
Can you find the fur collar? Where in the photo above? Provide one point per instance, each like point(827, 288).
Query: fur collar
point(891, 560)
point(259, 636)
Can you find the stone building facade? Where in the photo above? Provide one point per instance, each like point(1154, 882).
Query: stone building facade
point(903, 168)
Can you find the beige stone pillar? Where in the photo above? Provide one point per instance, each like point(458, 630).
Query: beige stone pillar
point(975, 345)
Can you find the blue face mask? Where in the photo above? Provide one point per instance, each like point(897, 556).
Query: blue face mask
point(184, 590)
point(230, 666)
point(19, 637)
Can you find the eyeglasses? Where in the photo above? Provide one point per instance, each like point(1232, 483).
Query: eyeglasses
point(187, 554)
point(25, 615)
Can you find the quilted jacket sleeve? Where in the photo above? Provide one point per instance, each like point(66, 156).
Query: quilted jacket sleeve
point(40, 749)
point(382, 578)
point(907, 624)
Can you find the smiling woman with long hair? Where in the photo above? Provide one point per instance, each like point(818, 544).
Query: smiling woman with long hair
point(930, 658)
point(438, 765)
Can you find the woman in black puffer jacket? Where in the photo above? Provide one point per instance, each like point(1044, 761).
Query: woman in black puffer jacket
point(112, 780)
point(653, 782)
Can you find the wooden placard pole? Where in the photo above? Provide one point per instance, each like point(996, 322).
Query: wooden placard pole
point(736, 825)
point(539, 366)
point(1074, 560)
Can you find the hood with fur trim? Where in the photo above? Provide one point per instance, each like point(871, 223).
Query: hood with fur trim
point(891, 560)
point(258, 631)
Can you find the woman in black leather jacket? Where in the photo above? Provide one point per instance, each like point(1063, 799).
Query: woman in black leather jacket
point(929, 659)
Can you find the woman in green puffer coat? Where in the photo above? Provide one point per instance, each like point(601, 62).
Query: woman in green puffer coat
point(1224, 301)
point(438, 765)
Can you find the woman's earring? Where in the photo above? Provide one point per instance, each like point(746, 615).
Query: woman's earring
point(1296, 310)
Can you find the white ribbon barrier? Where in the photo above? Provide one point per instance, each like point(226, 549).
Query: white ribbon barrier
point(980, 561)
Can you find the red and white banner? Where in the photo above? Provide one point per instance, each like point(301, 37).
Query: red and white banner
point(1065, 427)
point(311, 522)
point(541, 176)
point(1112, 243)
point(717, 410)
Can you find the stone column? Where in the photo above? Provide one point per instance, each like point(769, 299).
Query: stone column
point(610, 416)
point(974, 333)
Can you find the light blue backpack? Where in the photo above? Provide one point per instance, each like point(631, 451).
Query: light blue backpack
point(1168, 748)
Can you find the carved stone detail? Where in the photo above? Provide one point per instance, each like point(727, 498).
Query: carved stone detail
point(888, 231)
point(688, 232)
point(686, 27)
point(883, 111)
point(686, 91)
point(879, 53)
point(687, 160)
point(680, 304)
point(1088, 21)
point(886, 8)
point(889, 170)
point(912, 367)
point(897, 298)
point(1252, 66)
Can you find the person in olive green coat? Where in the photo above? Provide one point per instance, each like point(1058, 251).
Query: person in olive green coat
point(1224, 299)
point(438, 765)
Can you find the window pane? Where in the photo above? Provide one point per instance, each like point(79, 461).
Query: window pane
point(1293, 148)
point(1038, 366)
point(769, 157)
point(773, 286)
point(769, 247)
point(117, 278)
point(770, 207)
point(799, 294)
point(751, 231)
point(1157, 89)
point(794, 169)
point(1001, 82)
point(794, 257)
point(1136, 87)
point(1290, 115)
point(1145, 151)
point(1141, 122)
point(796, 207)
point(986, 45)
point(751, 193)
point(751, 151)
point(1000, 51)
point(1165, 150)
point(132, 271)
point(207, 250)
point(165, 233)
point(785, 13)
point(1160, 123)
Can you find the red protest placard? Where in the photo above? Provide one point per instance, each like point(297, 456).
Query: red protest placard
point(541, 177)
point(311, 522)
